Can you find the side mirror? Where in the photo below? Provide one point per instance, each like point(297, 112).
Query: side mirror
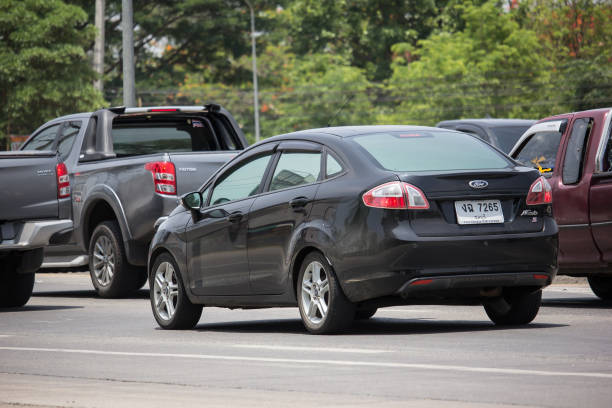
point(192, 201)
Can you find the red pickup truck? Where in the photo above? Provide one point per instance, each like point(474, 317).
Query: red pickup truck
point(574, 151)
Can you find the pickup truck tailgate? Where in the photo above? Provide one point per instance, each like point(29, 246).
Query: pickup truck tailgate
point(193, 169)
point(28, 188)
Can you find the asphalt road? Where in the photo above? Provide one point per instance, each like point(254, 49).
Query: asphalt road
point(67, 348)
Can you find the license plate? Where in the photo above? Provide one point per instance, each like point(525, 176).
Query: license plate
point(479, 212)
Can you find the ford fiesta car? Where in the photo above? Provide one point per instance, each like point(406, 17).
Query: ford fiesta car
point(342, 221)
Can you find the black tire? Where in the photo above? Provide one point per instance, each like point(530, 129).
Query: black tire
point(16, 288)
point(365, 314)
point(340, 312)
point(523, 309)
point(186, 314)
point(107, 241)
point(601, 286)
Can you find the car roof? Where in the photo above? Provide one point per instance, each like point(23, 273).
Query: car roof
point(488, 122)
point(346, 131)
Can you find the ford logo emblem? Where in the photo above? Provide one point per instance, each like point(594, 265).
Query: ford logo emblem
point(478, 184)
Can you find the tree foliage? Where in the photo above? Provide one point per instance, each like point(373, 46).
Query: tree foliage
point(44, 71)
point(492, 68)
point(343, 61)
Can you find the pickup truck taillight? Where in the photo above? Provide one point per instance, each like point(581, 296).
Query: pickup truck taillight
point(63, 181)
point(164, 177)
point(540, 192)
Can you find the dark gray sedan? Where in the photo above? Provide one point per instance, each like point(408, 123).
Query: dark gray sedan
point(342, 221)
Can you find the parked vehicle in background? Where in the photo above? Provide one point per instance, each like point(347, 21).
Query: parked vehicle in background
point(574, 152)
point(501, 133)
point(126, 167)
point(34, 213)
point(342, 221)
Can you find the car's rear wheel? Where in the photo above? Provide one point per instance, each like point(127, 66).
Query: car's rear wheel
point(111, 274)
point(364, 314)
point(323, 306)
point(172, 308)
point(601, 286)
point(15, 288)
point(523, 308)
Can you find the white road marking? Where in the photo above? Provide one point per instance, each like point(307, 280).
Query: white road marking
point(309, 348)
point(6, 335)
point(439, 367)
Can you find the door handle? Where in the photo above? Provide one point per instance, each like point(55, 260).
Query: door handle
point(235, 216)
point(298, 203)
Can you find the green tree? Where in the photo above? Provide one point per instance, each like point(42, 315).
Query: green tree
point(362, 30)
point(492, 67)
point(577, 36)
point(44, 71)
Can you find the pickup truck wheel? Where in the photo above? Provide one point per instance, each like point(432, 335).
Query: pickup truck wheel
point(323, 307)
point(111, 274)
point(171, 307)
point(16, 288)
point(601, 286)
point(523, 309)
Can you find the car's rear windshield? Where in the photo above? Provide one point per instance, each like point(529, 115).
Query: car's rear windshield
point(140, 137)
point(507, 136)
point(430, 151)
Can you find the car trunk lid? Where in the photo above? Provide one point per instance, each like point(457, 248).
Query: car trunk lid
point(475, 202)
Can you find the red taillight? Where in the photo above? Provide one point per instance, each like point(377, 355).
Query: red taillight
point(538, 276)
point(63, 181)
point(164, 110)
point(164, 177)
point(540, 192)
point(396, 195)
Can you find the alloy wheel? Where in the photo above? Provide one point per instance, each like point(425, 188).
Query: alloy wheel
point(165, 291)
point(315, 292)
point(104, 260)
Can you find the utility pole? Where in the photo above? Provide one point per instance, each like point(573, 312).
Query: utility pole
point(98, 54)
point(127, 18)
point(255, 90)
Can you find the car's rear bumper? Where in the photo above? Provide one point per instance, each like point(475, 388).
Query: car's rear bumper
point(483, 282)
point(33, 234)
point(388, 268)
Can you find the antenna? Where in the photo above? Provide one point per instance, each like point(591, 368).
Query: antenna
point(348, 98)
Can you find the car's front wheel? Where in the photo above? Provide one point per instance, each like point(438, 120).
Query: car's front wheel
point(323, 306)
point(523, 308)
point(601, 286)
point(172, 308)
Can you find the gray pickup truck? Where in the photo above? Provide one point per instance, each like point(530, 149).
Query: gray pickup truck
point(34, 213)
point(126, 168)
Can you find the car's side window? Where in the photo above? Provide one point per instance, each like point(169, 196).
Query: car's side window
point(68, 134)
point(333, 167)
point(240, 182)
point(576, 148)
point(540, 151)
point(296, 169)
point(44, 140)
